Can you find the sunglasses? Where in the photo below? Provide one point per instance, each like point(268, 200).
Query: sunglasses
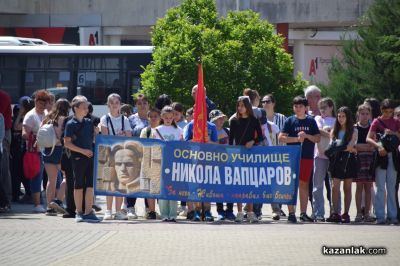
point(266, 101)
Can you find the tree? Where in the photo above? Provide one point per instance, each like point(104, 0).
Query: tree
point(370, 66)
point(238, 51)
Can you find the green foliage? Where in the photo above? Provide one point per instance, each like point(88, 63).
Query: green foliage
point(237, 51)
point(370, 66)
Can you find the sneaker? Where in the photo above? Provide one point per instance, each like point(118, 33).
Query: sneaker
point(179, 209)
point(68, 215)
point(90, 218)
point(292, 218)
point(57, 205)
point(230, 216)
point(39, 209)
point(4, 209)
point(132, 214)
point(359, 218)
point(96, 208)
point(334, 218)
point(221, 216)
point(305, 218)
point(208, 216)
point(380, 221)
point(107, 215)
point(196, 216)
point(276, 216)
point(120, 216)
point(78, 217)
point(319, 218)
point(283, 214)
point(165, 220)
point(152, 215)
point(190, 215)
point(252, 217)
point(51, 212)
point(173, 220)
point(239, 217)
point(184, 212)
point(345, 218)
point(369, 219)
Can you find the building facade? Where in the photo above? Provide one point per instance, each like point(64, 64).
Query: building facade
point(313, 28)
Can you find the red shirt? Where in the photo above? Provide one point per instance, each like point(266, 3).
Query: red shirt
point(391, 123)
point(5, 108)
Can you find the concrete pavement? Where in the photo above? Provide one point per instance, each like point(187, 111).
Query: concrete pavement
point(36, 239)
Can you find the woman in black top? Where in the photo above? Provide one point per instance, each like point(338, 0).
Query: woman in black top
point(245, 130)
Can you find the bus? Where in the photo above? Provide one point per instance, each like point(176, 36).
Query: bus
point(67, 71)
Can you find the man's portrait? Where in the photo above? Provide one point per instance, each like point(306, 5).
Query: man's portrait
point(129, 167)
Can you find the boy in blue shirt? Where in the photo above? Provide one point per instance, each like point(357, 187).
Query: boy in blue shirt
point(301, 129)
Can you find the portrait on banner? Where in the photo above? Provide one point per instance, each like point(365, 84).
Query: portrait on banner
point(128, 167)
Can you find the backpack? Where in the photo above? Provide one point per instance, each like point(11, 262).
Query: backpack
point(46, 138)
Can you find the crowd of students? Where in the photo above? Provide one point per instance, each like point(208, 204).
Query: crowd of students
point(335, 148)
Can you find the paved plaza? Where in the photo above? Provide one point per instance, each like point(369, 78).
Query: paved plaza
point(36, 239)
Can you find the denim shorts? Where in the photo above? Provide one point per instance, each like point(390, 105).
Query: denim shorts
point(55, 157)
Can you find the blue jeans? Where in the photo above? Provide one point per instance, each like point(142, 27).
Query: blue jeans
point(36, 182)
point(168, 208)
point(320, 169)
point(386, 178)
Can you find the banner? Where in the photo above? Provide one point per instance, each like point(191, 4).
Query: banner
point(188, 171)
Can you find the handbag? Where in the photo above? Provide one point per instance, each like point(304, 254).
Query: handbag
point(389, 142)
point(345, 164)
point(31, 159)
point(334, 148)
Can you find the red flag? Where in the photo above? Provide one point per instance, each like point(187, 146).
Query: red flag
point(200, 132)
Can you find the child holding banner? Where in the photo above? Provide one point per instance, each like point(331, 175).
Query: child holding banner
point(115, 124)
point(245, 130)
point(301, 129)
point(154, 118)
point(167, 131)
point(218, 119)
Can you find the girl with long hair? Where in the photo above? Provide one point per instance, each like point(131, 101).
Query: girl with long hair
point(52, 163)
point(344, 168)
point(245, 130)
point(115, 124)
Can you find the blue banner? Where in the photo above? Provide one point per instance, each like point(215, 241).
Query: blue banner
point(188, 171)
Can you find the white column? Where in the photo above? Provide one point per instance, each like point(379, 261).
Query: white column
point(298, 55)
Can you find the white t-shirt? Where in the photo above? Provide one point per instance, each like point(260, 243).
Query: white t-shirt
point(116, 124)
point(323, 123)
point(168, 133)
point(275, 130)
point(33, 120)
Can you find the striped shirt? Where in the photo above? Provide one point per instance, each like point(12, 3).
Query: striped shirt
point(279, 120)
